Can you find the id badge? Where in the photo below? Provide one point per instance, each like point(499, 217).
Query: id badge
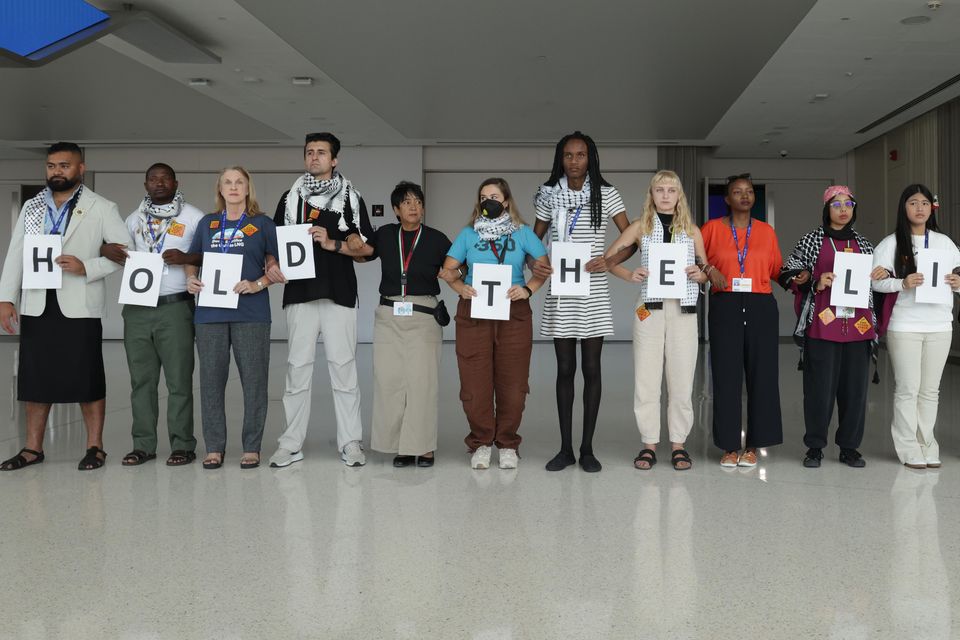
point(743, 285)
point(166, 270)
point(846, 312)
point(403, 308)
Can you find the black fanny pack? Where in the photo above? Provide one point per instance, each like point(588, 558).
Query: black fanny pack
point(439, 312)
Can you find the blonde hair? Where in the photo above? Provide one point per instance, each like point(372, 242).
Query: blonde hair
point(252, 206)
point(682, 217)
point(508, 202)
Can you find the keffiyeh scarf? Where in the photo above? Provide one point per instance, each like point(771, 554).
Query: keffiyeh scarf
point(35, 210)
point(561, 200)
point(334, 195)
point(657, 236)
point(164, 213)
point(487, 229)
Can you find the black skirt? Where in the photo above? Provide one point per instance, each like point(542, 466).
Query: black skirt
point(61, 359)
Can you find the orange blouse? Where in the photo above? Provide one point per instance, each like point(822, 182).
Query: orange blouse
point(763, 259)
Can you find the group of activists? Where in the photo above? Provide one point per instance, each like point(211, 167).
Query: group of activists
point(208, 278)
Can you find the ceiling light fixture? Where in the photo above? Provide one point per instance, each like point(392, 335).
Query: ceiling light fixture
point(200, 82)
point(915, 20)
point(252, 80)
point(302, 81)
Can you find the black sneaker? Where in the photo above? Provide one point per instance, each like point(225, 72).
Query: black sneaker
point(589, 463)
point(852, 458)
point(561, 461)
point(813, 458)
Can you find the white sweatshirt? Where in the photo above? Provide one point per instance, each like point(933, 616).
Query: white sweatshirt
point(907, 315)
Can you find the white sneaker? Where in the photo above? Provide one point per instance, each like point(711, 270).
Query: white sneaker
point(285, 457)
point(352, 454)
point(508, 459)
point(480, 458)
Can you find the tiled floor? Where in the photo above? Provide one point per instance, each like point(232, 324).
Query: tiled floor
point(322, 551)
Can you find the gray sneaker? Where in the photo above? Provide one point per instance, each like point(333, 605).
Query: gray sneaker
point(285, 458)
point(352, 454)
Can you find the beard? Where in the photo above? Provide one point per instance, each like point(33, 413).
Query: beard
point(59, 184)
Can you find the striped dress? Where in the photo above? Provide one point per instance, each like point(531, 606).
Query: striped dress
point(587, 317)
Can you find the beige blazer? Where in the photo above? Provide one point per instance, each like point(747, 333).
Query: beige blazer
point(95, 220)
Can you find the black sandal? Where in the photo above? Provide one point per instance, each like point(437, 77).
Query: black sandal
point(92, 459)
point(646, 455)
point(137, 457)
point(180, 457)
point(248, 462)
point(679, 456)
point(19, 462)
point(213, 464)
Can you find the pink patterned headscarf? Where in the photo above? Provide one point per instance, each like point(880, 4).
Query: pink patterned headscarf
point(834, 191)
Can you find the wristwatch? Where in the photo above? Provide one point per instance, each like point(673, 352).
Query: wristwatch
point(336, 246)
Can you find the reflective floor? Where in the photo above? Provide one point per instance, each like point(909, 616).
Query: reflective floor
point(318, 550)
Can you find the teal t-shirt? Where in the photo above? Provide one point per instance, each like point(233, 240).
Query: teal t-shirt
point(468, 248)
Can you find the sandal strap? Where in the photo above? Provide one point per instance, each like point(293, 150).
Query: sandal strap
point(680, 454)
point(137, 454)
point(31, 451)
point(646, 458)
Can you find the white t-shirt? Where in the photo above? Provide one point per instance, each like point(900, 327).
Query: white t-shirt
point(907, 314)
point(179, 235)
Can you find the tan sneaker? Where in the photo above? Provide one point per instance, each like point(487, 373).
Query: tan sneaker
point(730, 459)
point(748, 459)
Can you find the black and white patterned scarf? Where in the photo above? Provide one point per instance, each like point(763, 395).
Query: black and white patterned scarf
point(693, 289)
point(561, 200)
point(502, 225)
point(164, 213)
point(334, 195)
point(804, 258)
point(35, 211)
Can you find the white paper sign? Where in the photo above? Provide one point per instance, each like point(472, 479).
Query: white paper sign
point(934, 264)
point(569, 261)
point(220, 274)
point(39, 269)
point(491, 282)
point(668, 278)
point(851, 287)
point(141, 279)
point(296, 251)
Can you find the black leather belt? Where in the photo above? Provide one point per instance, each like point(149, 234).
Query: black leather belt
point(174, 297)
point(387, 302)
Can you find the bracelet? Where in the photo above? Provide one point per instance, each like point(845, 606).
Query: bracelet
point(336, 246)
point(530, 291)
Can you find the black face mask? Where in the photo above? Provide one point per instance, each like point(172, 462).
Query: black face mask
point(491, 209)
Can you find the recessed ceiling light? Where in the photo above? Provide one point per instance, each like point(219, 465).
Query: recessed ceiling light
point(868, 58)
point(915, 20)
point(252, 79)
point(821, 96)
point(200, 82)
point(302, 81)
point(844, 18)
point(849, 74)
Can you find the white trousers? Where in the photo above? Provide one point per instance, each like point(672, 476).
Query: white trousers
point(307, 321)
point(666, 339)
point(918, 360)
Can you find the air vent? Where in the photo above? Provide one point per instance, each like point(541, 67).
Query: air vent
point(926, 96)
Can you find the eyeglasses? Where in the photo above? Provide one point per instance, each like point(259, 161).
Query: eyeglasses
point(742, 176)
point(849, 204)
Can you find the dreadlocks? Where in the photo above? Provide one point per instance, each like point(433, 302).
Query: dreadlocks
point(593, 170)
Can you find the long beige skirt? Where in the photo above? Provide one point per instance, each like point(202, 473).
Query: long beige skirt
point(406, 369)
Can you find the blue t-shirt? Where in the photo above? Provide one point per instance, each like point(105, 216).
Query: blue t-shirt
point(254, 240)
point(470, 249)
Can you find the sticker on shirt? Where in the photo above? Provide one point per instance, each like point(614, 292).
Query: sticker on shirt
point(642, 312)
point(236, 239)
point(862, 325)
point(249, 230)
point(314, 214)
point(848, 249)
point(403, 308)
point(827, 316)
point(846, 312)
point(742, 285)
point(176, 229)
point(214, 224)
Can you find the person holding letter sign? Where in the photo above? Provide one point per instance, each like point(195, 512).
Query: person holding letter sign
point(61, 357)
point(918, 334)
point(743, 258)
point(577, 203)
point(162, 336)
point(664, 330)
point(494, 355)
point(326, 303)
point(241, 229)
point(836, 343)
point(407, 334)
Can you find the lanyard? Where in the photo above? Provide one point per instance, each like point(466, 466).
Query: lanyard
point(500, 256)
point(576, 216)
point(406, 257)
point(225, 246)
point(153, 236)
point(55, 225)
point(846, 249)
point(926, 239)
point(741, 257)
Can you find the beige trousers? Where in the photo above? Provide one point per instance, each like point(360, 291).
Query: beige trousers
point(666, 341)
point(406, 370)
